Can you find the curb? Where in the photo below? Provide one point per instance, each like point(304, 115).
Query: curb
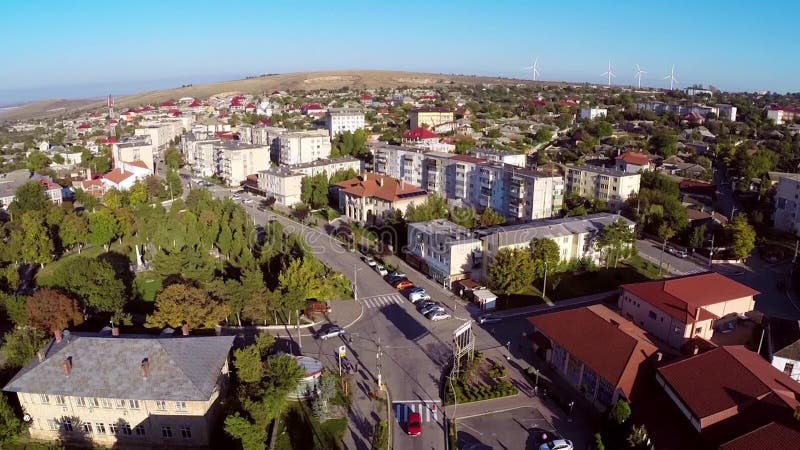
point(388, 414)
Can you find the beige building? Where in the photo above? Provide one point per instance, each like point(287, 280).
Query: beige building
point(575, 236)
point(298, 147)
point(163, 131)
point(370, 197)
point(609, 185)
point(678, 309)
point(430, 117)
point(443, 250)
point(138, 148)
point(199, 153)
point(125, 392)
point(339, 120)
point(234, 161)
point(284, 183)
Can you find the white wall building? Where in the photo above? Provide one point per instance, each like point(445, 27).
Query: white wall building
point(609, 185)
point(234, 161)
point(490, 154)
point(339, 120)
point(786, 216)
point(284, 183)
point(138, 148)
point(592, 113)
point(449, 251)
point(298, 147)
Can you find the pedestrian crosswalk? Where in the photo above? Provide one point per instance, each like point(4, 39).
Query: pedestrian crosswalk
point(379, 301)
point(428, 410)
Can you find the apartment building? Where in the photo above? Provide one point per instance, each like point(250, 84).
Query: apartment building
point(370, 197)
point(575, 236)
point(518, 193)
point(137, 148)
point(786, 216)
point(722, 110)
point(260, 134)
point(463, 180)
point(284, 183)
point(125, 391)
point(609, 185)
point(442, 250)
point(298, 147)
point(679, 309)
point(781, 115)
point(592, 113)
point(430, 117)
point(500, 156)
point(163, 131)
point(400, 162)
point(198, 149)
point(234, 161)
point(339, 120)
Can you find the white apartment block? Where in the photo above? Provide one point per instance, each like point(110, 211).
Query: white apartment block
point(403, 163)
point(137, 148)
point(787, 198)
point(430, 117)
point(782, 115)
point(125, 392)
point(298, 147)
point(234, 161)
point(448, 252)
point(609, 185)
point(284, 183)
point(500, 156)
point(592, 113)
point(199, 153)
point(163, 131)
point(259, 134)
point(517, 193)
point(339, 120)
point(722, 110)
point(575, 236)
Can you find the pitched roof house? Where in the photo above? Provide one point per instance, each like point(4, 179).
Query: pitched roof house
point(373, 196)
point(678, 309)
point(633, 162)
point(595, 349)
point(128, 390)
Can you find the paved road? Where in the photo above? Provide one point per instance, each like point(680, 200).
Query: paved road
point(651, 251)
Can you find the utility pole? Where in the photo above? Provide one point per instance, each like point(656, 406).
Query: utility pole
point(378, 357)
point(544, 285)
point(711, 253)
point(355, 283)
point(299, 339)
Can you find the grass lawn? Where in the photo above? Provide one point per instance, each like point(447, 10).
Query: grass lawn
point(146, 285)
point(300, 429)
point(91, 251)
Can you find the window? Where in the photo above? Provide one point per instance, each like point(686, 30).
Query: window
point(94, 402)
point(651, 314)
point(106, 402)
point(125, 429)
point(52, 424)
point(166, 431)
point(180, 406)
point(698, 330)
point(134, 404)
point(161, 405)
point(45, 399)
point(113, 428)
point(186, 432)
point(66, 424)
point(86, 427)
point(119, 403)
point(139, 430)
point(788, 368)
point(80, 401)
point(61, 400)
point(100, 428)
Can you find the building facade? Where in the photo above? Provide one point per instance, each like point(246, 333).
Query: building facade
point(443, 250)
point(609, 185)
point(592, 113)
point(371, 197)
point(284, 183)
point(298, 147)
point(500, 156)
point(430, 117)
point(339, 120)
point(234, 161)
point(786, 216)
point(139, 148)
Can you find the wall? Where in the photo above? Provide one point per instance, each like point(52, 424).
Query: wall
point(662, 326)
point(780, 364)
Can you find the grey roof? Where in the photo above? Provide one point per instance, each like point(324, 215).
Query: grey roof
point(181, 368)
point(11, 181)
point(784, 335)
point(553, 228)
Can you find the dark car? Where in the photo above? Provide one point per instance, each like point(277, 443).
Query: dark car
point(391, 279)
point(488, 318)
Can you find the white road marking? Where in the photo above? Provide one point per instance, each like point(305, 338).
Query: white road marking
point(379, 301)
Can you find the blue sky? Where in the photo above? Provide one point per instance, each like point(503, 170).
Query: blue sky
point(89, 48)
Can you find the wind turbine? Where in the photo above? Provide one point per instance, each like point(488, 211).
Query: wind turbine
point(609, 74)
point(671, 78)
point(534, 68)
point(638, 76)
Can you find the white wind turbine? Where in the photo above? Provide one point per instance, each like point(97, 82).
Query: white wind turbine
point(638, 76)
point(609, 74)
point(671, 78)
point(534, 68)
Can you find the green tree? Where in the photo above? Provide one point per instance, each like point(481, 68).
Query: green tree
point(664, 143)
point(490, 218)
point(30, 196)
point(14, 306)
point(604, 129)
point(742, 235)
point(283, 373)
point(546, 256)
point(36, 245)
point(11, 427)
point(174, 185)
point(173, 158)
point(698, 237)
point(434, 207)
point(253, 436)
point(544, 135)
point(74, 230)
point(181, 302)
point(92, 281)
point(314, 190)
point(513, 271)
point(620, 412)
point(21, 344)
point(343, 175)
point(103, 228)
point(37, 161)
point(138, 194)
point(58, 159)
point(615, 240)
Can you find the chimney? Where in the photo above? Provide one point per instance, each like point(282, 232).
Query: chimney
point(67, 365)
point(57, 334)
point(697, 314)
point(115, 331)
point(40, 355)
point(145, 368)
point(659, 356)
point(695, 350)
point(184, 328)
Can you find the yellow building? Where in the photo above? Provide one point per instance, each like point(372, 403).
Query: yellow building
point(125, 392)
point(431, 117)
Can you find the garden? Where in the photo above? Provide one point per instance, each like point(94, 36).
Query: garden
point(480, 379)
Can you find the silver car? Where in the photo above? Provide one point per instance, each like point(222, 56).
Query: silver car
point(329, 332)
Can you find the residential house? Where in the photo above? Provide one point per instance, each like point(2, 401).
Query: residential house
point(781, 115)
point(430, 117)
point(298, 147)
point(783, 345)
point(596, 351)
point(338, 120)
point(729, 392)
point(124, 176)
point(632, 162)
point(678, 309)
point(11, 181)
point(371, 197)
point(609, 185)
point(137, 148)
point(575, 235)
point(125, 391)
point(420, 136)
point(442, 250)
point(786, 216)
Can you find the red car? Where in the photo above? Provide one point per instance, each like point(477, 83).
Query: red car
point(414, 425)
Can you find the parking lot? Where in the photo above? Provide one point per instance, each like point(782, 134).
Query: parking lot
point(517, 429)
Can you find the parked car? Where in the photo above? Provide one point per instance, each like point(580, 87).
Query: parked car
point(558, 444)
point(418, 295)
point(423, 303)
point(678, 252)
point(431, 308)
point(438, 315)
point(414, 425)
point(381, 270)
point(330, 331)
point(392, 279)
point(403, 284)
point(370, 262)
point(398, 274)
point(488, 318)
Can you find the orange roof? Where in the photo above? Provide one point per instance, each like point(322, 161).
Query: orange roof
point(138, 163)
point(639, 159)
point(117, 176)
point(380, 186)
point(682, 297)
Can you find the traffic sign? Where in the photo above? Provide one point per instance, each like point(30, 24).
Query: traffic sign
point(342, 351)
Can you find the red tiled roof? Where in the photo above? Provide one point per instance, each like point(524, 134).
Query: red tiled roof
point(537, 103)
point(722, 383)
point(109, 140)
point(117, 176)
point(613, 350)
point(681, 297)
point(50, 185)
point(167, 104)
point(420, 134)
point(312, 106)
point(138, 163)
point(639, 159)
point(784, 109)
point(250, 106)
point(366, 97)
point(84, 126)
point(194, 104)
point(469, 159)
point(380, 186)
point(382, 111)
point(772, 436)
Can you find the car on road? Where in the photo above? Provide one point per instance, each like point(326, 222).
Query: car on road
point(403, 284)
point(558, 444)
point(437, 316)
point(392, 279)
point(330, 331)
point(677, 252)
point(416, 296)
point(423, 303)
point(381, 270)
point(488, 318)
point(414, 424)
point(248, 201)
point(431, 308)
point(370, 262)
point(398, 274)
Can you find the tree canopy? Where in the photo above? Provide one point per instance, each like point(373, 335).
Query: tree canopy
point(50, 310)
point(181, 302)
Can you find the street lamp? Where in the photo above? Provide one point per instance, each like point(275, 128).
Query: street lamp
point(355, 282)
point(544, 285)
